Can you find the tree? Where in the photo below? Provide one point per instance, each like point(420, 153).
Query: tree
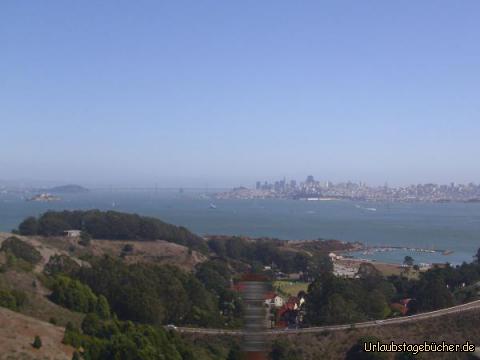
point(113, 225)
point(434, 294)
point(217, 246)
point(91, 324)
point(368, 271)
point(408, 260)
point(37, 342)
point(29, 226)
point(85, 239)
point(76, 356)
point(375, 305)
point(339, 310)
point(319, 265)
point(73, 295)
point(102, 308)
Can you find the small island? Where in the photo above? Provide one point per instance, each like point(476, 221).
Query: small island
point(44, 197)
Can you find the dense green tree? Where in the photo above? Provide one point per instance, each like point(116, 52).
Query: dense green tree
point(433, 294)
point(73, 295)
point(237, 248)
point(215, 275)
point(375, 305)
point(339, 310)
point(51, 225)
point(334, 300)
point(102, 308)
point(29, 226)
point(91, 324)
point(114, 226)
point(331, 300)
point(268, 252)
point(218, 247)
point(112, 339)
point(152, 294)
point(318, 266)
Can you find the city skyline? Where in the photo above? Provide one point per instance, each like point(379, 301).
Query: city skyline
point(315, 190)
point(268, 183)
point(182, 93)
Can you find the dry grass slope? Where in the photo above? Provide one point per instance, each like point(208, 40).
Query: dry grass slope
point(455, 328)
point(17, 332)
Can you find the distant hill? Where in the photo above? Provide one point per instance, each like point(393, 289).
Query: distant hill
point(68, 189)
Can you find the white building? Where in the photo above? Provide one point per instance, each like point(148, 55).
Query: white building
point(276, 301)
point(73, 233)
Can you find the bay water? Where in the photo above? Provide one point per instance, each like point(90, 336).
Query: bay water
point(439, 226)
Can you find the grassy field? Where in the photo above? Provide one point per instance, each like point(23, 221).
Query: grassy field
point(290, 288)
point(390, 269)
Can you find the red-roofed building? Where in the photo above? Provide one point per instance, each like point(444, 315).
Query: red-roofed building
point(401, 306)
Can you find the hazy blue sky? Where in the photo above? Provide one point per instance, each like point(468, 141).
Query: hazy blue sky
point(225, 92)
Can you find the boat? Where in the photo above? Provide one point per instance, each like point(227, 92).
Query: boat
point(213, 206)
point(365, 208)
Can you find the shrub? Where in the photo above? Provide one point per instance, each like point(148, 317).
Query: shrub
point(16, 263)
point(8, 300)
point(22, 250)
point(37, 342)
point(85, 239)
point(20, 297)
point(128, 248)
point(58, 264)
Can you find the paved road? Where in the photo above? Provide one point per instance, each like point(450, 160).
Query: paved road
point(399, 320)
